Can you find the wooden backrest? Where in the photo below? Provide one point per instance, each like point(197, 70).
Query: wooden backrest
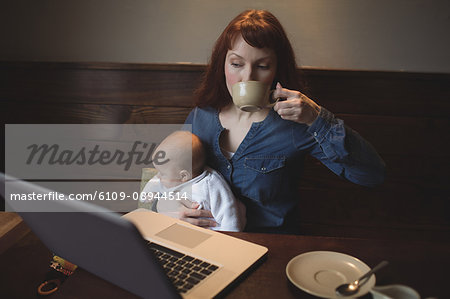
point(404, 115)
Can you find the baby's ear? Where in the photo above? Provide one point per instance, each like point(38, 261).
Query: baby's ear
point(185, 175)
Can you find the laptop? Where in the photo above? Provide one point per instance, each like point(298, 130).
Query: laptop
point(146, 253)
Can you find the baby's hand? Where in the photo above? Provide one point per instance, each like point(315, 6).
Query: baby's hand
point(202, 218)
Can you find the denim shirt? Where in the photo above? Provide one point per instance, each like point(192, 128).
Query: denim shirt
point(265, 170)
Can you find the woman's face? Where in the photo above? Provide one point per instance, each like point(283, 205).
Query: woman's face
point(246, 63)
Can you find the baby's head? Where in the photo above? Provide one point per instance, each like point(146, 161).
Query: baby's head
point(186, 158)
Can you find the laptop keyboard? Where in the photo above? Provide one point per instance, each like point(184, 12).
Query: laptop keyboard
point(183, 270)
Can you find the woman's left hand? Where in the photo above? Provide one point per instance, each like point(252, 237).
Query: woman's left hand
point(297, 107)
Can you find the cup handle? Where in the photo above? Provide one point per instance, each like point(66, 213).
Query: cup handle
point(273, 104)
point(271, 97)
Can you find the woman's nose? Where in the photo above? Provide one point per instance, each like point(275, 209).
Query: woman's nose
point(248, 75)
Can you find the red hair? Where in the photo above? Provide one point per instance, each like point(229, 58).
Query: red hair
point(260, 29)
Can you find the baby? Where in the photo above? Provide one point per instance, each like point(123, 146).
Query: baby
point(183, 178)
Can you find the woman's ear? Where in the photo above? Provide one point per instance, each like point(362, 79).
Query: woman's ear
point(185, 175)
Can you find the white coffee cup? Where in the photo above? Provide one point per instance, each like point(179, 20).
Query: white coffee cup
point(251, 96)
point(395, 291)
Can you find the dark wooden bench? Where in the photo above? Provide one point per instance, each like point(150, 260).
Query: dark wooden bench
point(404, 115)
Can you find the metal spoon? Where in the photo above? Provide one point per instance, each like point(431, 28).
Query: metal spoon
point(348, 289)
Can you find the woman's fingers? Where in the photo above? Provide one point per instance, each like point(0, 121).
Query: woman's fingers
point(290, 107)
point(285, 93)
point(197, 213)
point(297, 107)
point(201, 218)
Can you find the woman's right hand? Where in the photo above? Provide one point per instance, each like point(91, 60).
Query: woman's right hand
point(297, 106)
point(202, 218)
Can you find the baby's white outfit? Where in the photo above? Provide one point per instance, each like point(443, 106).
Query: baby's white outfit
point(210, 190)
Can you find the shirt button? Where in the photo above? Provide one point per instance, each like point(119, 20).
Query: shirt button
point(263, 168)
point(229, 166)
point(315, 134)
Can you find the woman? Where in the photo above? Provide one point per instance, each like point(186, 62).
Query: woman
point(261, 153)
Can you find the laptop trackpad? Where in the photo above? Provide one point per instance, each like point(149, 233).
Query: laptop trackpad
point(183, 235)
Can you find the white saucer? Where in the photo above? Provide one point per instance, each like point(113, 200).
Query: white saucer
point(320, 272)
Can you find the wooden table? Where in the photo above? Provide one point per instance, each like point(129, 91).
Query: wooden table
point(421, 265)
